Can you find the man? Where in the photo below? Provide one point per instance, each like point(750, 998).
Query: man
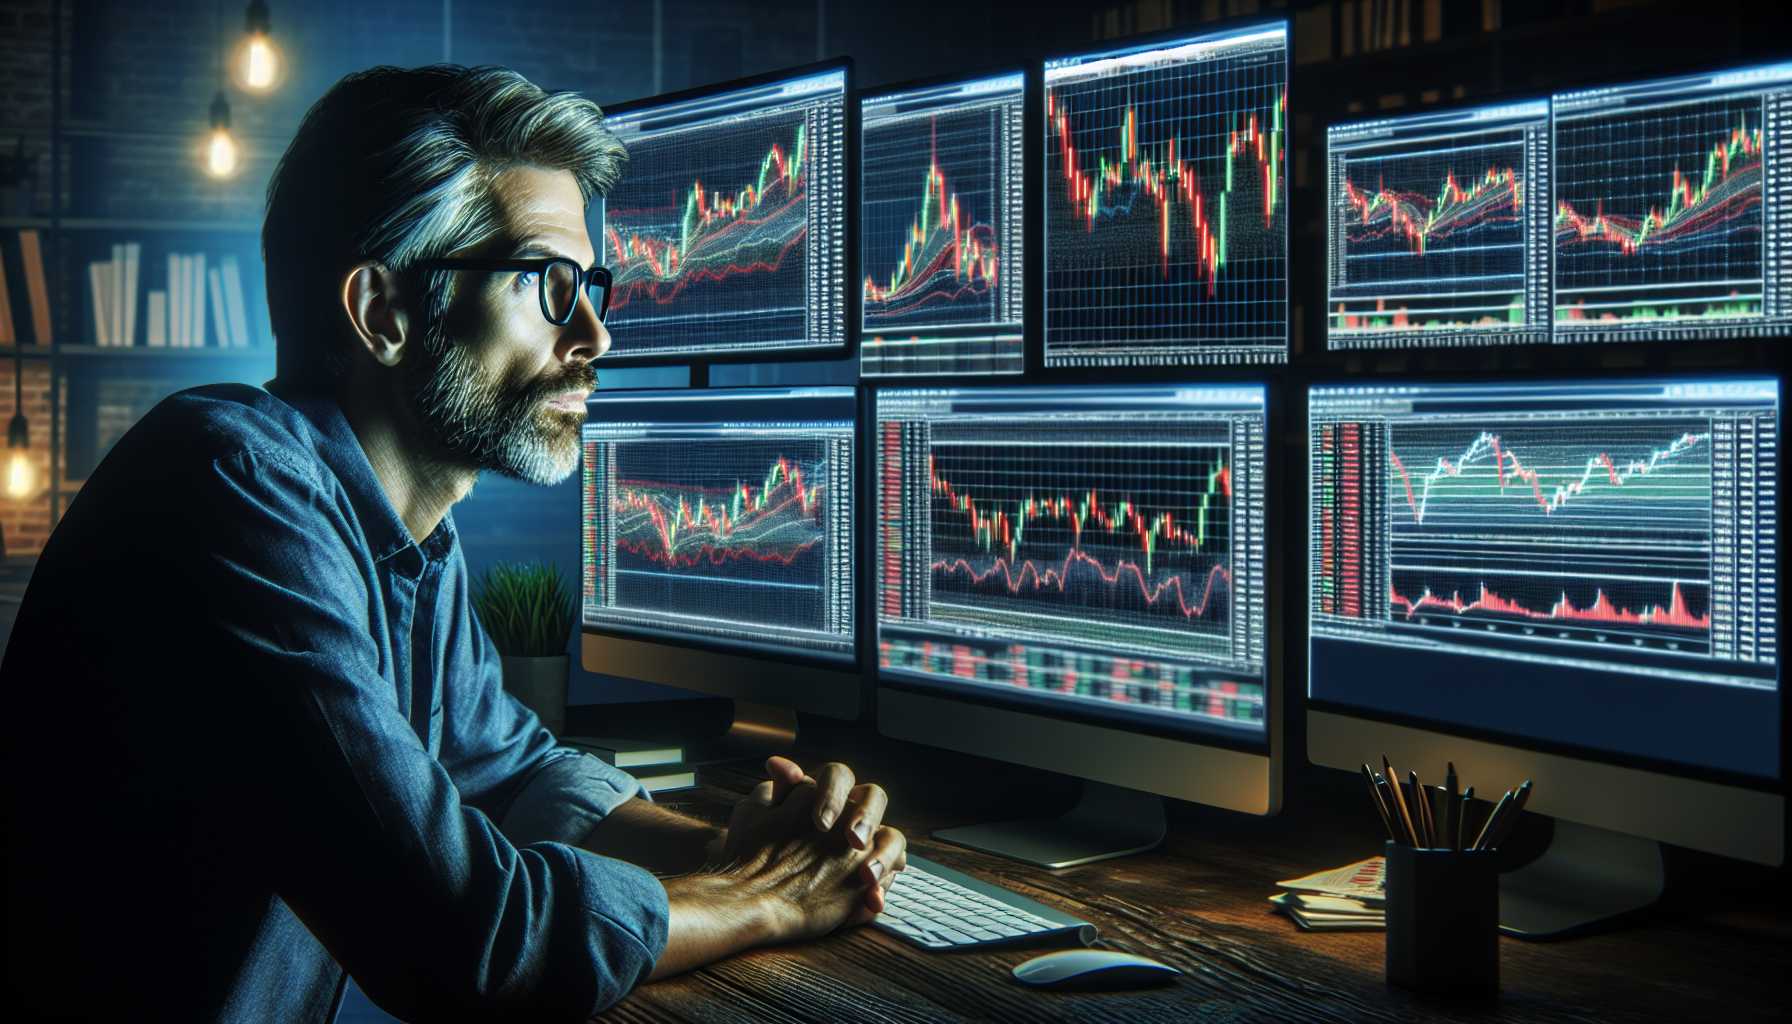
point(255, 735)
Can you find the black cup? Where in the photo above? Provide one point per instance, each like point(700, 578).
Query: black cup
point(1443, 911)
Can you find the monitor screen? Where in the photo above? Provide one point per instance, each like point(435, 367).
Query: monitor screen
point(1673, 204)
point(1165, 196)
point(722, 516)
point(1437, 229)
point(727, 234)
point(1590, 566)
point(1093, 549)
point(941, 217)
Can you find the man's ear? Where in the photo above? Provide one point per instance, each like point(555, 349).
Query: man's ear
point(374, 299)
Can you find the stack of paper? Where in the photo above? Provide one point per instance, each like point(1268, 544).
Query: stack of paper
point(1347, 898)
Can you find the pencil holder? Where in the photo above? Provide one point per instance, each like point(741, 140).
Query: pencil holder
point(1443, 915)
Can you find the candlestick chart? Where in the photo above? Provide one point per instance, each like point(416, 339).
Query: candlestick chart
point(941, 227)
point(1098, 543)
point(1101, 540)
point(1430, 240)
point(1658, 217)
point(1599, 531)
point(735, 528)
point(1166, 238)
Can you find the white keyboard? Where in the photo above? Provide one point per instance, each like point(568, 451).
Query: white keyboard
point(935, 907)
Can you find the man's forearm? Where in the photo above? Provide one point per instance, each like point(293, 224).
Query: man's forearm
point(711, 918)
point(661, 840)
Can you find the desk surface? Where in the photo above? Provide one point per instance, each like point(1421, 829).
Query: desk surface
point(1198, 903)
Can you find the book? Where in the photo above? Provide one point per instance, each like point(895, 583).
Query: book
point(666, 778)
point(1316, 920)
point(133, 254)
point(180, 334)
point(233, 302)
point(627, 753)
point(115, 304)
point(99, 280)
point(215, 284)
point(158, 318)
point(31, 254)
point(1364, 880)
point(7, 336)
point(173, 299)
point(196, 298)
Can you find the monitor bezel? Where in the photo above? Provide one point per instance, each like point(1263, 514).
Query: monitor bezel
point(1229, 371)
point(1300, 588)
point(1190, 731)
point(847, 346)
point(852, 660)
point(1029, 74)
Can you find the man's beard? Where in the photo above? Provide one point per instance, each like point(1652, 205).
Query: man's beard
point(482, 422)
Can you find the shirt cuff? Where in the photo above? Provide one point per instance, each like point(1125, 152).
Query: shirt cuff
point(566, 798)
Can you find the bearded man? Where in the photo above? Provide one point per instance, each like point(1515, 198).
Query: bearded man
point(256, 739)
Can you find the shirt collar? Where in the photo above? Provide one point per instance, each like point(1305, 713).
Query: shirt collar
point(341, 450)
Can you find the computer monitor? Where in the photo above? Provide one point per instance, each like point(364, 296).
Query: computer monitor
point(1437, 229)
point(1671, 209)
point(719, 544)
point(1572, 582)
point(1165, 195)
point(1073, 578)
point(942, 214)
point(727, 235)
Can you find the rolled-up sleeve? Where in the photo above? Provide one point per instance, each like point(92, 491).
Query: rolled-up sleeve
point(501, 757)
point(435, 910)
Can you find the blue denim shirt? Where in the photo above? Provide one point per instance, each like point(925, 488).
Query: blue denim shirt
point(255, 736)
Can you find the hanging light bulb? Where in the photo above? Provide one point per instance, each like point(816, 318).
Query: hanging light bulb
point(258, 67)
point(221, 158)
point(21, 476)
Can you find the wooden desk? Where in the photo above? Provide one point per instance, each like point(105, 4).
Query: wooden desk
point(1198, 903)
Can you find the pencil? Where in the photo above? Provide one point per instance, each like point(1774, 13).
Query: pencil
point(1387, 799)
point(1421, 808)
point(1480, 839)
point(1400, 800)
point(1387, 822)
point(1468, 796)
point(1451, 807)
point(1510, 820)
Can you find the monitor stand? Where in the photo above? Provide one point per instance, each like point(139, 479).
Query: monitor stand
point(1107, 821)
point(1587, 875)
point(756, 731)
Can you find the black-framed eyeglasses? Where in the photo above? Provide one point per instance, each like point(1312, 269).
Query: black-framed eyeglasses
point(558, 279)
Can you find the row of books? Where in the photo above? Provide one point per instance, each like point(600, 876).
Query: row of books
point(24, 293)
point(658, 767)
point(178, 315)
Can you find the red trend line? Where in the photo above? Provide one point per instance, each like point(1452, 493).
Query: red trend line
point(1601, 610)
point(1168, 178)
point(995, 528)
point(710, 223)
point(938, 242)
point(784, 492)
point(1032, 575)
point(1730, 186)
point(1418, 219)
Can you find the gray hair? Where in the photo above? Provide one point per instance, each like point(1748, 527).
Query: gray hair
point(396, 165)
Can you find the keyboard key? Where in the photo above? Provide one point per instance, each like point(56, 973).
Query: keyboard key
point(954, 935)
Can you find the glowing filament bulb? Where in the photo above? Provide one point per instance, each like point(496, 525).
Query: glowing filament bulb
point(221, 154)
point(19, 475)
point(260, 67)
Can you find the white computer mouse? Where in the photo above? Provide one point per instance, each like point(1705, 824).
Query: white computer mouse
point(1092, 969)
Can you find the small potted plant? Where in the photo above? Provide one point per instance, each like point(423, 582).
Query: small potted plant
point(527, 609)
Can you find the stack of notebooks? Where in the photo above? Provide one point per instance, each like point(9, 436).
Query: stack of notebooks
point(660, 767)
point(1350, 898)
